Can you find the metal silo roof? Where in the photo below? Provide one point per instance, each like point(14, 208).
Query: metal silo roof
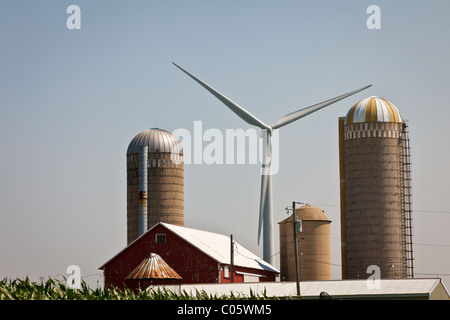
point(373, 109)
point(308, 213)
point(157, 140)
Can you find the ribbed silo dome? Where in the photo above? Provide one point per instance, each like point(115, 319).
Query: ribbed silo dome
point(157, 140)
point(309, 212)
point(373, 109)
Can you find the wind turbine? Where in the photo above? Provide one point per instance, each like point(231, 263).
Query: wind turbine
point(266, 211)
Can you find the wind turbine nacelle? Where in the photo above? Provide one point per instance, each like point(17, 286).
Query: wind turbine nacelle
point(263, 132)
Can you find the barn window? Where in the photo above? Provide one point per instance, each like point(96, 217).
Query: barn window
point(251, 277)
point(226, 272)
point(161, 238)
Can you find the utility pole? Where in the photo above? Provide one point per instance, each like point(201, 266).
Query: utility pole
point(231, 259)
point(294, 218)
point(301, 266)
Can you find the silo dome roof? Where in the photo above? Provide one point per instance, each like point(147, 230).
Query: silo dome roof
point(373, 109)
point(157, 140)
point(308, 213)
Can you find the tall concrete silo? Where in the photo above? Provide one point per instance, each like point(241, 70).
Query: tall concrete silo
point(375, 187)
point(313, 246)
point(155, 181)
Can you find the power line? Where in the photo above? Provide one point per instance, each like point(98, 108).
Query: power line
point(414, 210)
point(431, 211)
point(432, 274)
point(416, 244)
point(237, 252)
point(100, 274)
point(432, 245)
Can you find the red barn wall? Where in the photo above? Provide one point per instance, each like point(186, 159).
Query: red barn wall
point(265, 275)
point(190, 263)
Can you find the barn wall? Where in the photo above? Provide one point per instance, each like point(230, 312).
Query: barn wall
point(190, 263)
point(265, 275)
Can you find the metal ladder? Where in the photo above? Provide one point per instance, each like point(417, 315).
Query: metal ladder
point(407, 202)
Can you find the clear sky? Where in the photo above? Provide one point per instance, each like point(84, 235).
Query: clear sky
point(72, 100)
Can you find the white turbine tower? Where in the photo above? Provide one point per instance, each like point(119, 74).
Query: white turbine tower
point(266, 210)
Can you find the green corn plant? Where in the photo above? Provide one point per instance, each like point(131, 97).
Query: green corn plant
point(54, 289)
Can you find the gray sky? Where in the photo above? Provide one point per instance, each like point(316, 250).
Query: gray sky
point(72, 100)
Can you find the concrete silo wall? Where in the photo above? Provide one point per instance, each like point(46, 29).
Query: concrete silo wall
point(374, 200)
point(165, 197)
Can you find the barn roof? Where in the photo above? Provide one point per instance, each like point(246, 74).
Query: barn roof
point(217, 246)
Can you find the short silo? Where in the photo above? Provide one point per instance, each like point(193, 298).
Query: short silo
point(155, 181)
point(313, 246)
point(376, 226)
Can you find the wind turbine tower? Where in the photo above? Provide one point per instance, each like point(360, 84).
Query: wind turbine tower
point(266, 211)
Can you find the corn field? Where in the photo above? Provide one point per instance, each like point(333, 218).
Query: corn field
point(51, 289)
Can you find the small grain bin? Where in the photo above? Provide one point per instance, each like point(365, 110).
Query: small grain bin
point(313, 246)
point(153, 270)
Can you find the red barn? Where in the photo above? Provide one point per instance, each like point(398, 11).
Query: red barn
point(197, 256)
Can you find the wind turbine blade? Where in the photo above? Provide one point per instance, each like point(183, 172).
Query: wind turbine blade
point(266, 219)
point(291, 117)
point(266, 210)
point(265, 171)
point(237, 109)
point(263, 197)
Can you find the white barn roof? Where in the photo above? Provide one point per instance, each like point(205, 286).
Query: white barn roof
point(217, 246)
